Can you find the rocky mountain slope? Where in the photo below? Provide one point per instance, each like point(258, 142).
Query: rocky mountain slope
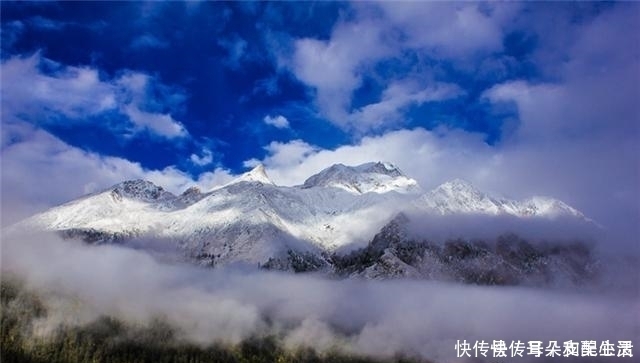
point(507, 259)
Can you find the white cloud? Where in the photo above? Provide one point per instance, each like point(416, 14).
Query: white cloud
point(205, 159)
point(158, 123)
point(330, 66)
point(286, 155)
point(398, 96)
point(278, 121)
point(449, 30)
point(132, 92)
point(251, 163)
point(578, 136)
point(71, 91)
point(381, 319)
point(335, 68)
point(40, 171)
point(77, 93)
point(430, 157)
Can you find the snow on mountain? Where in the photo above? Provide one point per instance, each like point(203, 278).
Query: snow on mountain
point(257, 174)
point(460, 197)
point(253, 220)
point(120, 208)
point(548, 207)
point(370, 177)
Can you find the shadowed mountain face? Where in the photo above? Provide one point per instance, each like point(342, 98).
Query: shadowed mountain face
point(505, 260)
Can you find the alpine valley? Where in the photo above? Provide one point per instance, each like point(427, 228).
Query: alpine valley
point(356, 221)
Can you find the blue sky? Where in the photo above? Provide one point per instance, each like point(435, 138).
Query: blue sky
point(210, 67)
point(219, 69)
point(519, 98)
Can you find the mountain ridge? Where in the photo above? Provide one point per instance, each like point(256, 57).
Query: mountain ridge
point(377, 177)
point(251, 219)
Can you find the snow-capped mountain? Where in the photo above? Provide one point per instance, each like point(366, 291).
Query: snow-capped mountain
point(257, 174)
point(370, 177)
point(459, 196)
point(253, 220)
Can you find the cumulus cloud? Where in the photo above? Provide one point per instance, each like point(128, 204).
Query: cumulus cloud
point(333, 67)
point(72, 91)
point(278, 121)
point(31, 155)
point(161, 124)
point(284, 156)
point(577, 137)
point(330, 66)
point(133, 92)
point(205, 159)
point(77, 93)
point(336, 67)
point(398, 96)
point(419, 153)
point(40, 171)
point(467, 37)
point(449, 31)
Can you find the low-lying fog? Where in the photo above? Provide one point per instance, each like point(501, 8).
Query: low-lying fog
point(376, 318)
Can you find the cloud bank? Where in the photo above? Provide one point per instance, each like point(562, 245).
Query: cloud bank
point(374, 318)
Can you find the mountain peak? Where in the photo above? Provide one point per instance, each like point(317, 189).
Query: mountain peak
point(460, 196)
point(457, 182)
point(379, 167)
point(377, 177)
point(139, 189)
point(540, 205)
point(457, 186)
point(257, 174)
point(191, 191)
